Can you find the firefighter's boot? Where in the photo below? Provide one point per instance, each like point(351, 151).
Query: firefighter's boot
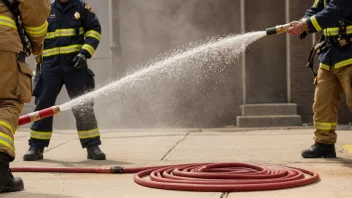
point(95, 153)
point(319, 150)
point(8, 183)
point(33, 154)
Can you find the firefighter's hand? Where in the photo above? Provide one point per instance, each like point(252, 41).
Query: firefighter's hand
point(79, 61)
point(297, 28)
point(39, 59)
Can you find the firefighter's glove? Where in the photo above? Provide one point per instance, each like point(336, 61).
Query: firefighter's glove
point(39, 59)
point(79, 61)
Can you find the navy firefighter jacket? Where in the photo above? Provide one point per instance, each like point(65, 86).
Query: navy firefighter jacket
point(324, 16)
point(72, 29)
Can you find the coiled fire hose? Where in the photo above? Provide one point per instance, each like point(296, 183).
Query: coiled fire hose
point(205, 177)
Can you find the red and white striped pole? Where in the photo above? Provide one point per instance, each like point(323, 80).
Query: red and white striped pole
point(38, 115)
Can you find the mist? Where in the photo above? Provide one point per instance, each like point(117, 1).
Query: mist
point(151, 28)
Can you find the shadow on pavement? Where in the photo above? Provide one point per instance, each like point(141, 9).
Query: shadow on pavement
point(87, 163)
point(346, 162)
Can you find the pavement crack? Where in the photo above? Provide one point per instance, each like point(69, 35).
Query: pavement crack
point(175, 146)
point(45, 151)
point(224, 194)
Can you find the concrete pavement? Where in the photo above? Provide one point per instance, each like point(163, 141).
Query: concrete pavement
point(135, 148)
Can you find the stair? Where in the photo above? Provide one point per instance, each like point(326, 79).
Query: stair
point(269, 115)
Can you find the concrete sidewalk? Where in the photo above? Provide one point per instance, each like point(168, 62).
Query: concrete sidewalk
point(135, 148)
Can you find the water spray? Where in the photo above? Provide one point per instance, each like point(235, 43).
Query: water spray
point(279, 29)
point(38, 115)
point(161, 65)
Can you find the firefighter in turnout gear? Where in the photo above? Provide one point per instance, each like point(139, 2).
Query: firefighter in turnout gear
point(334, 18)
point(73, 36)
point(20, 21)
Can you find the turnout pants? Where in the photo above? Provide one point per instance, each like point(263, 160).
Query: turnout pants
point(46, 91)
point(330, 87)
point(16, 89)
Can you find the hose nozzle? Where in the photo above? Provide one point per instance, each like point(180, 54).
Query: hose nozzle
point(278, 29)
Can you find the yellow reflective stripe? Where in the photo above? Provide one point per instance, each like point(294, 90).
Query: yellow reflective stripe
point(325, 125)
point(7, 21)
point(88, 134)
point(51, 52)
point(349, 29)
point(9, 127)
point(343, 63)
point(7, 141)
point(64, 32)
point(41, 135)
point(315, 23)
point(89, 48)
point(337, 65)
point(61, 50)
point(335, 31)
point(37, 31)
point(323, 66)
point(315, 4)
point(94, 34)
point(50, 35)
point(331, 31)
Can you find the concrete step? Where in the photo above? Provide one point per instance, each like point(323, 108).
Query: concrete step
point(269, 109)
point(269, 121)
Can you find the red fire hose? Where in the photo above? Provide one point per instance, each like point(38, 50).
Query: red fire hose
point(38, 115)
point(207, 177)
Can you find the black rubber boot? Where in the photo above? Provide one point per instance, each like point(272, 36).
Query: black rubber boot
point(95, 153)
point(8, 183)
point(319, 150)
point(33, 154)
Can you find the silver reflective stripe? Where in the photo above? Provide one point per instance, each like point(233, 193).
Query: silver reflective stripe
point(7, 142)
point(41, 135)
point(94, 34)
point(88, 134)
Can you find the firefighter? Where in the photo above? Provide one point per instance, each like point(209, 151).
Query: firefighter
point(333, 79)
point(16, 83)
point(73, 36)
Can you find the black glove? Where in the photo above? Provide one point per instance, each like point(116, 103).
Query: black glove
point(303, 35)
point(79, 61)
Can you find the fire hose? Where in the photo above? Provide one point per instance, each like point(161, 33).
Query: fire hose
point(205, 177)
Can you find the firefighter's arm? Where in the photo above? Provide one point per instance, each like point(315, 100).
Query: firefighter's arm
point(92, 29)
point(317, 7)
point(34, 14)
point(333, 12)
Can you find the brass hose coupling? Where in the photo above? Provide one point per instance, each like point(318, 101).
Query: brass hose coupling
point(277, 29)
